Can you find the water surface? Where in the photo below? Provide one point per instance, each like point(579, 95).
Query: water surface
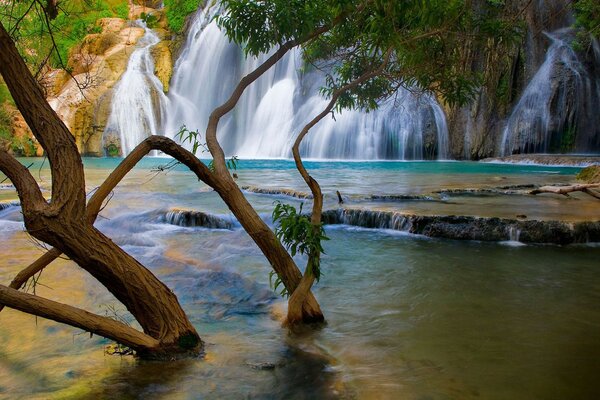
point(408, 317)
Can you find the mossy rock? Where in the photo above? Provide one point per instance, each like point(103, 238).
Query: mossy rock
point(590, 174)
point(163, 64)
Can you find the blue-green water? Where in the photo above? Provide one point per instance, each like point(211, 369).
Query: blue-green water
point(408, 317)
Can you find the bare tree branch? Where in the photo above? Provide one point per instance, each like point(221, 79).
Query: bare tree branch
point(78, 318)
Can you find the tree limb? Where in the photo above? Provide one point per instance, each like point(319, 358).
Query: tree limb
point(78, 318)
point(162, 143)
point(68, 183)
point(301, 292)
point(27, 188)
point(565, 190)
point(211, 131)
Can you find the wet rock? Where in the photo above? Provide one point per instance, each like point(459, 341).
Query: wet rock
point(590, 174)
point(278, 192)
point(5, 205)
point(163, 64)
point(190, 218)
point(264, 366)
point(468, 227)
point(400, 197)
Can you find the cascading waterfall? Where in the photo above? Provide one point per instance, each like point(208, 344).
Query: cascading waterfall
point(558, 112)
point(276, 107)
point(138, 103)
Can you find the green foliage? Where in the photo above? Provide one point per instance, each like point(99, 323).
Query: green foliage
point(275, 282)
point(185, 135)
point(410, 43)
point(149, 19)
point(122, 10)
point(5, 96)
point(297, 234)
point(587, 16)
point(5, 125)
point(76, 19)
point(193, 137)
point(178, 10)
point(567, 139)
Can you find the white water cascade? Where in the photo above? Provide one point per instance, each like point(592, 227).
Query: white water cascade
point(276, 107)
point(138, 103)
point(271, 112)
point(558, 112)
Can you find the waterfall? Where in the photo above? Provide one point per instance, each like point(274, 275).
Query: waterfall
point(276, 107)
point(558, 111)
point(190, 218)
point(138, 102)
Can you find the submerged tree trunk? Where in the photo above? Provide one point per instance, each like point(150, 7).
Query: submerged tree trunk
point(63, 223)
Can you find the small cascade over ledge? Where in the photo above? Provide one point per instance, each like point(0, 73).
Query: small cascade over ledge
point(469, 227)
point(138, 102)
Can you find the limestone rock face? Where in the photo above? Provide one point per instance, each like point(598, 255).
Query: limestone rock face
point(477, 130)
point(83, 100)
point(163, 64)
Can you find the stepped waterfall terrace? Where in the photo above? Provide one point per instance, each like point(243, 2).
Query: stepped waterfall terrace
point(435, 318)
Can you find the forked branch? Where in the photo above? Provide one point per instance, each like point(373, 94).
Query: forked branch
point(161, 143)
point(300, 294)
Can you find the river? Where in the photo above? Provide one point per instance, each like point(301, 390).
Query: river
point(409, 317)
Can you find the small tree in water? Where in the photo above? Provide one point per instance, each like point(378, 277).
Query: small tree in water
point(368, 49)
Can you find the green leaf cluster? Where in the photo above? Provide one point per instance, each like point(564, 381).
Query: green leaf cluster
point(418, 42)
point(177, 11)
point(149, 19)
point(193, 137)
point(76, 19)
point(587, 16)
point(297, 234)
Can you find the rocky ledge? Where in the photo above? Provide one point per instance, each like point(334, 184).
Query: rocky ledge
point(470, 228)
point(548, 159)
point(8, 204)
point(191, 218)
point(277, 192)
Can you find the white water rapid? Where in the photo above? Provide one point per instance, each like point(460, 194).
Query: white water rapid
point(272, 111)
point(138, 101)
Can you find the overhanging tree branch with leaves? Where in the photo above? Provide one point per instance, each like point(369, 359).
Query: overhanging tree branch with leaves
point(369, 50)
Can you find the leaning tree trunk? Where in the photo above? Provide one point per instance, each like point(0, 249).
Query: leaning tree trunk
point(263, 236)
point(63, 222)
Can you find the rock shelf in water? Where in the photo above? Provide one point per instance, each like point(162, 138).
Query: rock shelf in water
point(469, 227)
point(277, 192)
point(191, 218)
point(5, 205)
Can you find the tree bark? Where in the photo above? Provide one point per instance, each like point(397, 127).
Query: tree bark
point(302, 291)
point(73, 316)
point(64, 222)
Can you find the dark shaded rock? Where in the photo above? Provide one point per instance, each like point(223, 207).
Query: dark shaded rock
point(470, 228)
point(5, 205)
point(190, 218)
point(277, 192)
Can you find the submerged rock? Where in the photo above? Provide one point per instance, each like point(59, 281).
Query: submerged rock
point(191, 218)
point(400, 197)
point(470, 228)
point(278, 192)
point(5, 205)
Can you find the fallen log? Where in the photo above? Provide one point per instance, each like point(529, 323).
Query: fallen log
point(565, 190)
